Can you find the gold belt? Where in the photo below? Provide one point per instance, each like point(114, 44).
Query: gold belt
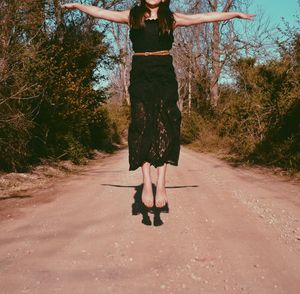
point(162, 52)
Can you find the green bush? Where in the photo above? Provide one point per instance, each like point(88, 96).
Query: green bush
point(258, 118)
point(120, 117)
point(191, 125)
point(49, 105)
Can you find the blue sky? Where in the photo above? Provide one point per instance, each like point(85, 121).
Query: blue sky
point(275, 9)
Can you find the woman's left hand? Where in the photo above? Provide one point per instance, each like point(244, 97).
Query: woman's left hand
point(247, 16)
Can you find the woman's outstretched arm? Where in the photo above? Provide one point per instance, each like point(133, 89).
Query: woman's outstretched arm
point(193, 19)
point(111, 15)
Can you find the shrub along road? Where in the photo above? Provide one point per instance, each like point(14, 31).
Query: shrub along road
point(229, 230)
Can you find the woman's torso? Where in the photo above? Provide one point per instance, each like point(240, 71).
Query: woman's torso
point(148, 38)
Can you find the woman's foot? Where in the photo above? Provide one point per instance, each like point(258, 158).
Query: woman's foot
point(147, 195)
point(161, 196)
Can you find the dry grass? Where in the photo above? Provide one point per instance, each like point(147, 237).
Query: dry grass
point(14, 184)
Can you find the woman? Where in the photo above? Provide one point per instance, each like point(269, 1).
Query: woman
point(154, 130)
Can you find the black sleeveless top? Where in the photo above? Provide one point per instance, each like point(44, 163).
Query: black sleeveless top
point(148, 39)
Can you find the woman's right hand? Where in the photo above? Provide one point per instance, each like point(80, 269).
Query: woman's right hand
point(70, 6)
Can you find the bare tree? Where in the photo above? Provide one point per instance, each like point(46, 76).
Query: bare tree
point(215, 49)
point(201, 51)
point(118, 36)
point(121, 40)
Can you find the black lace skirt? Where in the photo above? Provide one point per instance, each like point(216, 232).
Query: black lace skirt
point(154, 129)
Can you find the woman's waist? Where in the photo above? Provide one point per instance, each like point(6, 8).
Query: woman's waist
point(152, 53)
point(152, 62)
point(154, 57)
point(152, 65)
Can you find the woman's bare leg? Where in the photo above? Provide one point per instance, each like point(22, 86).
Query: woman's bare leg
point(161, 194)
point(147, 193)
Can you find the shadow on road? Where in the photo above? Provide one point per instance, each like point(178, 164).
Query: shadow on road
point(138, 206)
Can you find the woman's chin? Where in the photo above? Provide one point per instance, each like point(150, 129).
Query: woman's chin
point(154, 5)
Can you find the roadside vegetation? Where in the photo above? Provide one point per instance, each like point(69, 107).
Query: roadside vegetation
point(64, 86)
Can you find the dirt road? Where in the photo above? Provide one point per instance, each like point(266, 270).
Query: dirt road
point(229, 230)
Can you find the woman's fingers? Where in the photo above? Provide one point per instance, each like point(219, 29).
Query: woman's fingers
point(251, 16)
point(247, 16)
point(69, 6)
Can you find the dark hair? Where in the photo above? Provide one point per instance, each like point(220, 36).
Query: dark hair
point(164, 14)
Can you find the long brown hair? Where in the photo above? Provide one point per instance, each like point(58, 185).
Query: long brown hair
point(164, 14)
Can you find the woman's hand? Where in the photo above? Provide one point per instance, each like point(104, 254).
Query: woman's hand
point(70, 6)
point(247, 16)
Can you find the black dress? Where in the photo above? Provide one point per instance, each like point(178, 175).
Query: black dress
point(154, 129)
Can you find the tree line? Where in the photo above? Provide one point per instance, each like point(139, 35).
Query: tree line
point(238, 83)
point(51, 104)
point(59, 72)
point(256, 116)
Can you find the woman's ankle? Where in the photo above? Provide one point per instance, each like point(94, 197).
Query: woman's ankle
point(161, 184)
point(147, 182)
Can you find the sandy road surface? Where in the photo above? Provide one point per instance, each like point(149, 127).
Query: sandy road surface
point(229, 230)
